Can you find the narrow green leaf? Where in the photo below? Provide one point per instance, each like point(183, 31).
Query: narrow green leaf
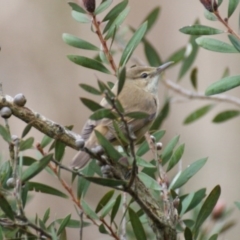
point(199, 30)
point(151, 54)
point(78, 43)
point(26, 144)
point(46, 215)
point(88, 63)
point(103, 6)
point(163, 113)
point(188, 234)
point(107, 182)
point(225, 115)
point(200, 112)
point(76, 7)
point(5, 134)
point(27, 161)
point(142, 163)
point(107, 208)
point(103, 113)
point(215, 45)
point(88, 211)
point(36, 168)
point(116, 207)
point(122, 138)
point(121, 79)
point(210, 16)
point(132, 44)
point(102, 229)
point(24, 194)
point(40, 187)
point(207, 208)
point(115, 11)
point(235, 42)
point(45, 141)
point(213, 237)
point(186, 174)
point(143, 148)
point(136, 225)
point(237, 205)
point(73, 223)
point(152, 18)
point(177, 155)
point(6, 208)
point(108, 147)
point(226, 73)
point(219, 2)
point(149, 182)
point(223, 85)
point(90, 89)
point(193, 78)
point(167, 151)
point(232, 5)
point(63, 224)
point(80, 17)
point(137, 115)
point(59, 150)
point(177, 56)
point(104, 200)
point(92, 105)
point(26, 130)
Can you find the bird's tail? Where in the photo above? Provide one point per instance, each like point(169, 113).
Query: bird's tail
point(80, 160)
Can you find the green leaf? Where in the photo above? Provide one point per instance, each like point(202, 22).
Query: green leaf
point(116, 11)
point(107, 182)
point(107, 208)
point(108, 147)
point(113, 25)
point(5, 134)
point(137, 115)
point(215, 45)
point(188, 234)
point(177, 155)
point(177, 56)
point(132, 44)
point(136, 225)
point(237, 205)
point(81, 17)
point(36, 168)
point(116, 207)
point(167, 151)
point(59, 150)
point(232, 5)
point(26, 130)
point(225, 115)
point(63, 224)
point(90, 89)
point(122, 138)
point(27, 161)
point(39, 187)
point(73, 223)
point(88, 211)
point(76, 7)
point(235, 42)
point(163, 113)
point(45, 141)
point(151, 54)
point(6, 208)
point(220, 2)
point(93, 106)
point(152, 18)
point(88, 63)
point(104, 200)
point(83, 184)
point(46, 215)
point(200, 30)
point(144, 147)
point(200, 112)
point(103, 6)
point(149, 182)
point(223, 85)
point(78, 43)
point(226, 73)
point(103, 113)
point(102, 229)
point(193, 78)
point(186, 174)
point(142, 163)
point(190, 55)
point(121, 79)
point(26, 144)
point(210, 16)
point(207, 208)
point(213, 237)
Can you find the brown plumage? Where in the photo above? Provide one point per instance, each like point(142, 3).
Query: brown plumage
point(139, 94)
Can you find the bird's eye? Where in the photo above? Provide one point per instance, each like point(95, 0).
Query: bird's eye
point(144, 75)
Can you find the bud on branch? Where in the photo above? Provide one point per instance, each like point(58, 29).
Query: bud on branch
point(210, 5)
point(89, 5)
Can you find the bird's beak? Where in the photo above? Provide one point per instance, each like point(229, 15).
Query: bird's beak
point(163, 67)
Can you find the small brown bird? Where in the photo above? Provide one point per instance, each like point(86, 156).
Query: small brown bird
point(139, 94)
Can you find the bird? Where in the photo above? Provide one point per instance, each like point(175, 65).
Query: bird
point(139, 94)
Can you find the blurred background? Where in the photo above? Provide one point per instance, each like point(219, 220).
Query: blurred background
point(33, 62)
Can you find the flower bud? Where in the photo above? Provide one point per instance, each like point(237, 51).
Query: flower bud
point(89, 5)
point(218, 210)
point(159, 146)
point(6, 112)
point(79, 143)
point(210, 5)
point(20, 100)
point(11, 183)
